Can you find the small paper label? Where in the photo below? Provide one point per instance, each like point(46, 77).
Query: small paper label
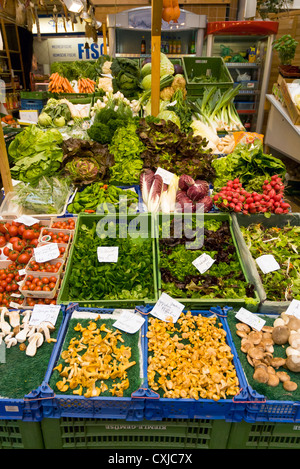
point(167, 176)
point(203, 263)
point(41, 313)
point(108, 253)
point(267, 263)
point(249, 318)
point(294, 308)
point(27, 220)
point(129, 322)
point(14, 305)
point(167, 308)
point(22, 272)
point(16, 295)
point(46, 253)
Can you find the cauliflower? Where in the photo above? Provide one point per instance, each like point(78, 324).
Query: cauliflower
point(167, 93)
point(105, 84)
point(178, 82)
point(106, 68)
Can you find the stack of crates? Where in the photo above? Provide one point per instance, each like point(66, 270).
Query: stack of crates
point(33, 100)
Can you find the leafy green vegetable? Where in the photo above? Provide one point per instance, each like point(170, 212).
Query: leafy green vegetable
point(224, 279)
point(126, 148)
point(107, 120)
point(250, 164)
point(126, 73)
point(36, 153)
point(129, 278)
point(183, 110)
point(284, 244)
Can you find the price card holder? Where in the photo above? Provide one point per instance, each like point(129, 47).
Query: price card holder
point(108, 253)
point(41, 313)
point(27, 220)
point(267, 263)
point(249, 318)
point(129, 322)
point(203, 263)
point(294, 308)
point(167, 176)
point(46, 253)
point(167, 308)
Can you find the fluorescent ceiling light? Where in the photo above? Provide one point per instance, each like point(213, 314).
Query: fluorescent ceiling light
point(75, 6)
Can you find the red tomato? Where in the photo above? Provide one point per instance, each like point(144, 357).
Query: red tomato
point(2, 241)
point(13, 230)
point(29, 234)
point(13, 255)
point(23, 258)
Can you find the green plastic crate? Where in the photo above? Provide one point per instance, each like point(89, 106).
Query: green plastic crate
point(15, 434)
point(212, 66)
point(198, 303)
point(264, 435)
point(70, 433)
point(41, 95)
point(88, 220)
point(281, 220)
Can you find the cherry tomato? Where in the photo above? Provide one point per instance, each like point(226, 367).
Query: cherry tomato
point(2, 241)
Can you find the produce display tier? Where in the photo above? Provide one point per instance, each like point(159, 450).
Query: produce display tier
point(196, 303)
point(265, 306)
point(265, 403)
point(57, 405)
point(88, 220)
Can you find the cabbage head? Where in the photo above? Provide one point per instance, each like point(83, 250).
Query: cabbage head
point(146, 69)
point(146, 82)
point(166, 66)
point(59, 121)
point(169, 116)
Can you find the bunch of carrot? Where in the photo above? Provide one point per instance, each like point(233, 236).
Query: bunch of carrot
point(86, 85)
point(59, 84)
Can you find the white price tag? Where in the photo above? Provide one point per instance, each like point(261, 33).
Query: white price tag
point(41, 313)
point(167, 308)
point(22, 272)
point(16, 295)
point(14, 305)
point(203, 262)
point(108, 253)
point(46, 253)
point(27, 220)
point(267, 263)
point(167, 176)
point(249, 318)
point(129, 322)
point(294, 308)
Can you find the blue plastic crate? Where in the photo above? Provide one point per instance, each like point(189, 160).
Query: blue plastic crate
point(230, 410)
point(70, 405)
point(29, 408)
point(136, 187)
point(261, 409)
point(32, 104)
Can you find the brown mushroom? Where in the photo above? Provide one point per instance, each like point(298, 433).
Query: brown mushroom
point(280, 335)
point(242, 334)
point(261, 375)
point(273, 380)
point(294, 323)
point(283, 376)
point(245, 345)
point(293, 363)
point(290, 386)
point(256, 353)
point(276, 362)
point(255, 337)
point(240, 326)
point(271, 370)
point(267, 329)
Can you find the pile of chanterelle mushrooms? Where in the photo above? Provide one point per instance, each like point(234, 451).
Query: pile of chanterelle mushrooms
point(15, 329)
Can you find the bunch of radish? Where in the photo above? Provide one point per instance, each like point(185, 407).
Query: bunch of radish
point(233, 197)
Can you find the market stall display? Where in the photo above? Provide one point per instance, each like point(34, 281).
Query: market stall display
point(120, 153)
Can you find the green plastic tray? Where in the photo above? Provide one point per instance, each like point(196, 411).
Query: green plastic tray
point(63, 296)
point(41, 95)
point(198, 303)
point(238, 220)
point(214, 66)
point(16, 434)
point(75, 433)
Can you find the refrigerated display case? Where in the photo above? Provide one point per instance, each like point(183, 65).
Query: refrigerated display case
point(129, 34)
point(246, 47)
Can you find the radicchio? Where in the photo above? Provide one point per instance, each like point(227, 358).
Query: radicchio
point(198, 190)
point(155, 193)
point(185, 182)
